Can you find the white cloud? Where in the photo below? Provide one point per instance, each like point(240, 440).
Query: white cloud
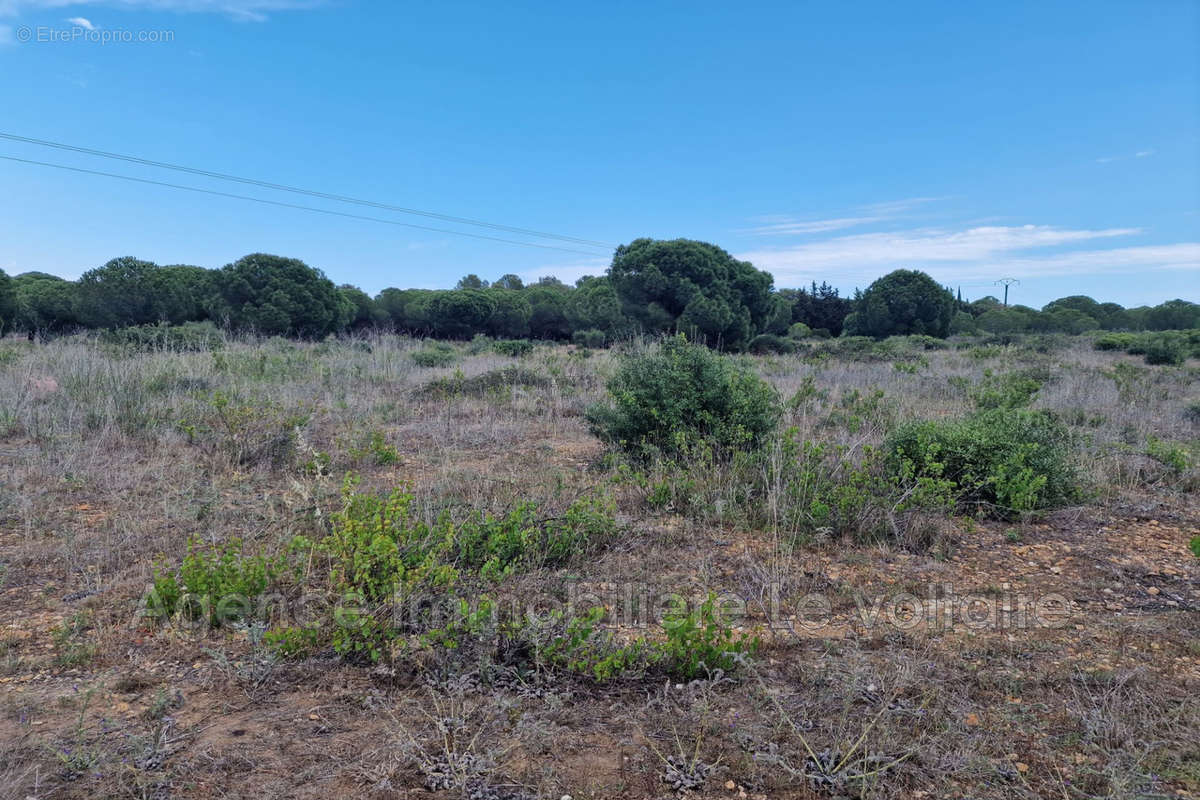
point(240, 9)
point(82, 22)
point(6, 36)
point(1138, 154)
point(788, 225)
point(975, 253)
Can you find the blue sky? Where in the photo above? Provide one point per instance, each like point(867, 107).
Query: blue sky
point(1054, 142)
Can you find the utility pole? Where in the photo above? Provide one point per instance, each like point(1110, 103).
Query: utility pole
point(1006, 282)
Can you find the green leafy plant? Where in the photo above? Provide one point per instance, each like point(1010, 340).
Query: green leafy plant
point(669, 398)
point(436, 354)
point(1009, 459)
point(700, 642)
point(513, 347)
point(219, 583)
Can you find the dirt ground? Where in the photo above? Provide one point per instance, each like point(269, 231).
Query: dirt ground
point(1058, 658)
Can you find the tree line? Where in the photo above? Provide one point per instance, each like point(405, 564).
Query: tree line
point(652, 286)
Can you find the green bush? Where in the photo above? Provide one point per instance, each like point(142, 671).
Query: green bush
point(679, 394)
point(513, 347)
point(699, 643)
point(438, 354)
point(770, 343)
point(589, 338)
point(798, 330)
point(696, 644)
point(380, 549)
point(1115, 341)
point(487, 384)
point(188, 337)
point(217, 583)
point(1011, 459)
point(1007, 390)
point(1169, 347)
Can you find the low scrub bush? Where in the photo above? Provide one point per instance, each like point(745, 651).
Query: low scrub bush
point(677, 395)
point(436, 354)
point(190, 336)
point(218, 583)
point(246, 433)
point(1007, 459)
point(513, 347)
point(491, 383)
point(380, 549)
point(589, 338)
point(696, 644)
point(1169, 347)
point(1007, 390)
point(770, 343)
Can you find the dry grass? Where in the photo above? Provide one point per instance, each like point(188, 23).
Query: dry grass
point(111, 465)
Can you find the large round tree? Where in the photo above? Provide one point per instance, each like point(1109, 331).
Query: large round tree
point(695, 287)
point(279, 296)
point(900, 303)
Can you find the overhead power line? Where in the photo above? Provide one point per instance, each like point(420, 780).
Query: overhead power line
point(297, 206)
point(298, 190)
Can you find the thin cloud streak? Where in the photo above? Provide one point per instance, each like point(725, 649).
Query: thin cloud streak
point(981, 258)
point(798, 227)
point(880, 249)
point(255, 10)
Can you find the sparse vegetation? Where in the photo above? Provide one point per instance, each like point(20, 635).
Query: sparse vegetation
point(716, 582)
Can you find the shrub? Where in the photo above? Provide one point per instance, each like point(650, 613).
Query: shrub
point(190, 337)
point(699, 643)
point(680, 394)
point(380, 550)
point(513, 347)
point(217, 583)
point(486, 384)
point(770, 343)
point(1012, 459)
point(1115, 341)
point(696, 644)
point(589, 338)
point(1166, 348)
point(438, 354)
point(1006, 390)
point(798, 330)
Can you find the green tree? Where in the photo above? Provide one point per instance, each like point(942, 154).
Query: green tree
point(510, 314)
point(460, 314)
point(44, 303)
point(658, 281)
point(547, 311)
point(509, 281)
point(8, 303)
point(125, 291)
point(594, 305)
point(273, 295)
point(1173, 315)
point(900, 303)
point(181, 293)
point(1064, 319)
point(365, 312)
point(471, 281)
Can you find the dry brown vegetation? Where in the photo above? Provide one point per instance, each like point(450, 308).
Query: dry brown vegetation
point(112, 460)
